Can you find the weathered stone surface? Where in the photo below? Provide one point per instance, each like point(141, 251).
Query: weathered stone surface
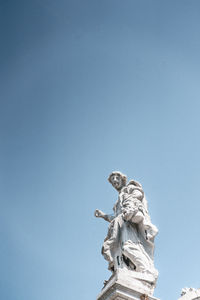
point(126, 286)
point(129, 244)
point(190, 294)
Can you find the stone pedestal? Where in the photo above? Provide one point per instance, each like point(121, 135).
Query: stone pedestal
point(125, 286)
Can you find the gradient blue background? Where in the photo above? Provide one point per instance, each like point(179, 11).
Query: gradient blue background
point(88, 87)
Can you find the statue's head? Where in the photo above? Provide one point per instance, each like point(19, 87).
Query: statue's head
point(117, 179)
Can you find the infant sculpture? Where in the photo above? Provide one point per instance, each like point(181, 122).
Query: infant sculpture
point(129, 243)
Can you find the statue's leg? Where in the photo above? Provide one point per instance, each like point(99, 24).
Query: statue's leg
point(110, 243)
point(137, 255)
point(106, 250)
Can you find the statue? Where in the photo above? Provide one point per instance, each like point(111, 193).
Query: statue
point(190, 294)
point(129, 244)
point(187, 290)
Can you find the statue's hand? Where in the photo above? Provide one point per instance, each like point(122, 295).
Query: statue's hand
point(98, 213)
point(127, 214)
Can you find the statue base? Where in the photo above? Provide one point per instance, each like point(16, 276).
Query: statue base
point(128, 285)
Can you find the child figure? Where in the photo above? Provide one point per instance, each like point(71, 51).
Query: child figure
point(134, 208)
point(132, 205)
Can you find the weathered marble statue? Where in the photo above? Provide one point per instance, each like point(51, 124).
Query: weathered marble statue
point(190, 294)
point(129, 244)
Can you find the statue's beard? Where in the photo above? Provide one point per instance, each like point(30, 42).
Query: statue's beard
point(118, 188)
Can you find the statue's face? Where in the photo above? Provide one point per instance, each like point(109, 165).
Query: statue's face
point(116, 181)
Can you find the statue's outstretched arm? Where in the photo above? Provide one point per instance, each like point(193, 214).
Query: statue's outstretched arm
point(99, 214)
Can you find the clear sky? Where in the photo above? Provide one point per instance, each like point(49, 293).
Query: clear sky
point(88, 87)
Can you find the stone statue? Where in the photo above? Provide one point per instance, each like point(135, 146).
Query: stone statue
point(190, 294)
point(129, 244)
point(187, 290)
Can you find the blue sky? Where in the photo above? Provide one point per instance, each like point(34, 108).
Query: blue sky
point(89, 87)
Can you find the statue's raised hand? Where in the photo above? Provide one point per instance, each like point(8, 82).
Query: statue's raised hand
point(98, 213)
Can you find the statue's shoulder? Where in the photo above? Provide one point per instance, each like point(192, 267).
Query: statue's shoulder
point(135, 183)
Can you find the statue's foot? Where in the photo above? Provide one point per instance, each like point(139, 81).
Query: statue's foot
point(111, 266)
point(105, 282)
point(152, 273)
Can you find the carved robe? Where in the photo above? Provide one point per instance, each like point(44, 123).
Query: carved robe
point(130, 239)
